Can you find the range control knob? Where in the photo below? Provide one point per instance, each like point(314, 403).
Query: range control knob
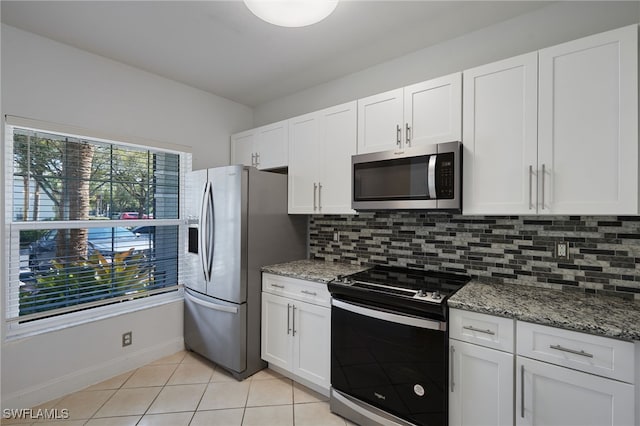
point(421, 293)
point(436, 296)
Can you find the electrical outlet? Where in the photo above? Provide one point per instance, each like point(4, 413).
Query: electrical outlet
point(562, 250)
point(127, 338)
point(336, 236)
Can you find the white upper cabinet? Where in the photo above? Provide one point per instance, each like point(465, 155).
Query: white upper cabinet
point(379, 122)
point(272, 145)
point(500, 137)
point(337, 145)
point(578, 153)
point(243, 147)
point(265, 147)
point(433, 111)
point(303, 163)
point(424, 113)
point(588, 125)
point(320, 148)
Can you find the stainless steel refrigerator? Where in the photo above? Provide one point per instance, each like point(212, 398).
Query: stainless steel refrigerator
point(238, 223)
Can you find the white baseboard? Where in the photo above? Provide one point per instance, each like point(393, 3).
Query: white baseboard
point(80, 379)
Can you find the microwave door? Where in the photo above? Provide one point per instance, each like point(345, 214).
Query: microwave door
point(395, 183)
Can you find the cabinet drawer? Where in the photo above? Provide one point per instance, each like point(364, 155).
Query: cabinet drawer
point(482, 329)
point(584, 352)
point(294, 288)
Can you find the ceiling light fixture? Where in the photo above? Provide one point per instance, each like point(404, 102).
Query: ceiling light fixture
point(291, 13)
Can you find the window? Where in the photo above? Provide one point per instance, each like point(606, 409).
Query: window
point(92, 223)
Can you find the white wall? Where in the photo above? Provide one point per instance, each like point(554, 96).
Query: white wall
point(544, 27)
point(49, 81)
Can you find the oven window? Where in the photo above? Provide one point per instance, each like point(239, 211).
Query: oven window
point(399, 179)
point(398, 368)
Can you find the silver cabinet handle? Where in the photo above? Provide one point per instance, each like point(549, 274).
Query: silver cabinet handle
point(294, 319)
point(257, 159)
point(479, 330)
point(522, 391)
point(319, 196)
point(542, 186)
point(407, 134)
point(571, 351)
point(288, 318)
point(277, 286)
point(453, 351)
point(312, 293)
point(253, 159)
point(398, 135)
point(530, 187)
point(315, 189)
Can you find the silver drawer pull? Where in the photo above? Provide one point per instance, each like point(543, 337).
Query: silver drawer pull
point(472, 328)
point(277, 286)
point(571, 351)
point(312, 293)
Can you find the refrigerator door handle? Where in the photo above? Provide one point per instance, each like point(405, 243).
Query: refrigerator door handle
point(211, 230)
point(210, 305)
point(203, 231)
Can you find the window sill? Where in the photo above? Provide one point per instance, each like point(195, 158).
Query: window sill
point(15, 332)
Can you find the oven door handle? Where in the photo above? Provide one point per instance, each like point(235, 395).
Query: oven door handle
point(391, 317)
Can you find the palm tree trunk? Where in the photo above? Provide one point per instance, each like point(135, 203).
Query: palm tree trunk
point(77, 171)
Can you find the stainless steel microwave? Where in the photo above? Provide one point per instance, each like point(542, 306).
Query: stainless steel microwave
point(426, 177)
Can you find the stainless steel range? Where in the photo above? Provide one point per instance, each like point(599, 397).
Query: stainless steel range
point(389, 345)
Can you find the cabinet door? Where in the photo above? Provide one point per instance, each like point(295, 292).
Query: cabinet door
point(272, 145)
point(588, 131)
point(550, 395)
point(312, 343)
point(276, 329)
point(380, 122)
point(336, 146)
point(242, 148)
point(303, 164)
point(433, 111)
point(481, 389)
point(500, 137)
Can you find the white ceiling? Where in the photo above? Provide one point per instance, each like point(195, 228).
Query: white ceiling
point(220, 47)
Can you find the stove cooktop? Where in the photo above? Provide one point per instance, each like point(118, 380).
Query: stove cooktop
point(412, 291)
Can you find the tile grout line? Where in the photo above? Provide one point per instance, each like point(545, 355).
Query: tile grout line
point(109, 399)
point(202, 396)
point(156, 397)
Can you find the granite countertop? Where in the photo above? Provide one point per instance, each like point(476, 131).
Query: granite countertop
point(595, 314)
point(313, 270)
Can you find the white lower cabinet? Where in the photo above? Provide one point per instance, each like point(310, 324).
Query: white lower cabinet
point(506, 372)
point(296, 330)
point(552, 395)
point(568, 378)
point(481, 369)
point(481, 385)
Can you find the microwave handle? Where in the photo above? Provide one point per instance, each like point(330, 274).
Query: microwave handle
point(431, 176)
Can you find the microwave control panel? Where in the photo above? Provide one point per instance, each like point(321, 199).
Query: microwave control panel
point(445, 172)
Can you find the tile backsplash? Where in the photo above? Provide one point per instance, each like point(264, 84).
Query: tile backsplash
point(604, 251)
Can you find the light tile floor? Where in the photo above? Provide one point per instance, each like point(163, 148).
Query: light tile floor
point(186, 389)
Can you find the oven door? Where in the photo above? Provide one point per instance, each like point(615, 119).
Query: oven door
point(394, 362)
